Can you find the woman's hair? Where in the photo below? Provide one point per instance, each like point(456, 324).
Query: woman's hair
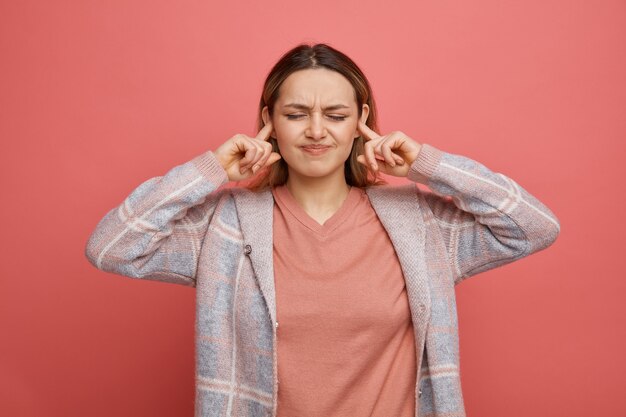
point(302, 57)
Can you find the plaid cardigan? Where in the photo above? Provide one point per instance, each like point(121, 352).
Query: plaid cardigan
point(185, 228)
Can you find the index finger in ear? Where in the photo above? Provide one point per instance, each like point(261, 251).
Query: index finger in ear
point(368, 133)
point(265, 132)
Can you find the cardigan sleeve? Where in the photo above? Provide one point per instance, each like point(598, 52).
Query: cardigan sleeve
point(157, 231)
point(486, 219)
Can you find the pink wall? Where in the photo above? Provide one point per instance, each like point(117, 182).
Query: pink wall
point(96, 97)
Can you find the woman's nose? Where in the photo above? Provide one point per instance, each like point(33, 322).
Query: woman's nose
point(316, 128)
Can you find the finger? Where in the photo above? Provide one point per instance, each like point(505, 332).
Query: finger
point(264, 133)
point(399, 140)
point(381, 164)
point(265, 154)
point(363, 159)
point(241, 146)
point(386, 152)
point(369, 155)
point(377, 145)
point(368, 134)
point(390, 144)
point(251, 151)
point(260, 153)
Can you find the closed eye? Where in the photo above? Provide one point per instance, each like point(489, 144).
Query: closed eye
point(338, 118)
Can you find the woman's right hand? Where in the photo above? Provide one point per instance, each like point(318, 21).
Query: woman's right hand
point(242, 156)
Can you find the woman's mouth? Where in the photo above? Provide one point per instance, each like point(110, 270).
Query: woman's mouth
point(315, 149)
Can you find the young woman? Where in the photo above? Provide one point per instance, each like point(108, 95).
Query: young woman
point(359, 275)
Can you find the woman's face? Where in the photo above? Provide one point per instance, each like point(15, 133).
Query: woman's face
point(315, 122)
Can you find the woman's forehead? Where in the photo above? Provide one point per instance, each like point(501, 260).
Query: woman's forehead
point(317, 87)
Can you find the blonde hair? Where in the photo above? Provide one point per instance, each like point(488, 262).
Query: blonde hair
point(302, 57)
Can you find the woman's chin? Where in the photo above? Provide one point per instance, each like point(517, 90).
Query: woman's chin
point(312, 173)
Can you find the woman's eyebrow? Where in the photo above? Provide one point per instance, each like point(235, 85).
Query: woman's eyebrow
point(305, 107)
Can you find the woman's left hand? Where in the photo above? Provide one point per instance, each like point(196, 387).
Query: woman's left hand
point(392, 154)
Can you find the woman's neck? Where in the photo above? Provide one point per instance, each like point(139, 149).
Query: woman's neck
point(319, 197)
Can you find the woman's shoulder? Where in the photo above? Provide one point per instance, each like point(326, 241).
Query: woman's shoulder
point(247, 196)
point(390, 190)
point(403, 196)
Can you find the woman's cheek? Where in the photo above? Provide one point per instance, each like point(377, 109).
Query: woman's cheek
point(344, 133)
point(286, 134)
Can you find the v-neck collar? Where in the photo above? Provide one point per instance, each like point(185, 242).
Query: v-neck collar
point(287, 200)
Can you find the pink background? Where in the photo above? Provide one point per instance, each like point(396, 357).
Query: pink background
point(96, 97)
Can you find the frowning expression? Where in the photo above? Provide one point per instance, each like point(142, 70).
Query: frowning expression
point(315, 122)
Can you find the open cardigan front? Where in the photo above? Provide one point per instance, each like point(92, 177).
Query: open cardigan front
point(185, 228)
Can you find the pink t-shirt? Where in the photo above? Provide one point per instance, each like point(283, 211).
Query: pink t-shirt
point(345, 337)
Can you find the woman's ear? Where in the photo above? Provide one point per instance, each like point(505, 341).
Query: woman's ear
point(365, 112)
point(265, 114)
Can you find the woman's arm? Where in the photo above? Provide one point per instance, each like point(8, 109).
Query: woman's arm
point(157, 232)
point(486, 219)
